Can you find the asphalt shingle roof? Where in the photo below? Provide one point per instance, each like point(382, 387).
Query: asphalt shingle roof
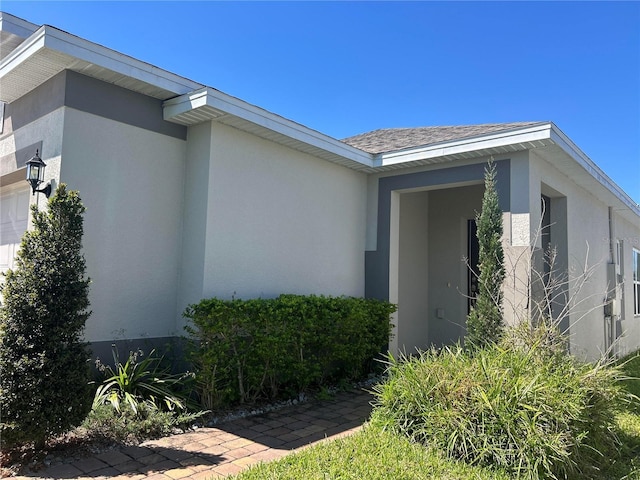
point(391, 139)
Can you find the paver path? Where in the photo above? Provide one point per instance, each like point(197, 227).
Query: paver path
point(224, 450)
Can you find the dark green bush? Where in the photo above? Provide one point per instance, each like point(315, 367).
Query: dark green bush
point(534, 414)
point(44, 370)
point(261, 349)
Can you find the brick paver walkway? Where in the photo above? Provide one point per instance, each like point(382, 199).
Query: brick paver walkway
point(224, 450)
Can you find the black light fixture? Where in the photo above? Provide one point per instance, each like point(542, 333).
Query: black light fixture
point(35, 175)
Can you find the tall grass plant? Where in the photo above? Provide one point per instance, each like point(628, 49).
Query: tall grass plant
point(526, 409)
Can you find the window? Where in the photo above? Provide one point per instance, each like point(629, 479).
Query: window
point(636, 282)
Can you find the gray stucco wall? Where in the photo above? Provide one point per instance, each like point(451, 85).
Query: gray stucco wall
point(377, 261)
point(72, 89)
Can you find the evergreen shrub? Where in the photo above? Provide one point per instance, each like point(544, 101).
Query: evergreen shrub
point(485, 322)
point(44, 369)
point(263, 349)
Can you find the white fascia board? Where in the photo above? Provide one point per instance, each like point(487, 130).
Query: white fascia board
point(26, 49)
point(80, 49)
point(16, 26)
point(494, 140)
point(571, 149)
point(233, 106)
point(117, 62)
point(185, 103)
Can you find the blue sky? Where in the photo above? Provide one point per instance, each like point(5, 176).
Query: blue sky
point(345, 68)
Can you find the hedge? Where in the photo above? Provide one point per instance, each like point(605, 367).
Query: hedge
point(262, 349)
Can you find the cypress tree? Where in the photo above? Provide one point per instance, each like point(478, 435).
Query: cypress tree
point(485, 321)
point(44, 369)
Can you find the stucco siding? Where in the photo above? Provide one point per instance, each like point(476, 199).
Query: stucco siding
point(131, 181)
point(628, 235)
point(280, 221)
point(43, 134)
point(194, 235)
point(449, 211)
point(413, 272)
point(588, 239)
point(588, 254)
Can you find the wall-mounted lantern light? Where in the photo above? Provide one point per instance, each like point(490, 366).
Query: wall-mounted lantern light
point(35, 175)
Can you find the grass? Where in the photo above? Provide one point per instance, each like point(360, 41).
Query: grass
point(377, 454)
point(631, 367)
point(368, 454)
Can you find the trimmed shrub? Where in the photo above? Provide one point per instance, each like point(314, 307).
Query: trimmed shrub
point(536, 415)
point(44, 381)
point(262, 349)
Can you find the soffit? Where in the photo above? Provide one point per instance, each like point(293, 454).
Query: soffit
point(578, 168)
point(543, 139)
point(209, 104)
point(500, 142)
point(435, 159)
point(13, 31)
point(272, 135)
point(8, 43)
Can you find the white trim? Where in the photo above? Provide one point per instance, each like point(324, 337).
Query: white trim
point(68, 50)
point(26, 49)
point(525, 137)
point(16, 25)
point(117, 62)
point(564, 142)
point(493, 140)
point(218, 104)
point(76, 48)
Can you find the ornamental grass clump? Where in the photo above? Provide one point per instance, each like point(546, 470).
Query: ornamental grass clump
point(533, 414)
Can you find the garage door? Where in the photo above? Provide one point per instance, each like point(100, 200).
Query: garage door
point(14, 215)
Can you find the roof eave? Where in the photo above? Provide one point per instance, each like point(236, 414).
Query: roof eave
point(208, 104)
point(48, 51)
point(522, 138)
point(16, 26)
point(594, 172)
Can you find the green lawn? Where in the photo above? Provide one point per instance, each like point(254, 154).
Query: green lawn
point(368, 454)
point(373, 454)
